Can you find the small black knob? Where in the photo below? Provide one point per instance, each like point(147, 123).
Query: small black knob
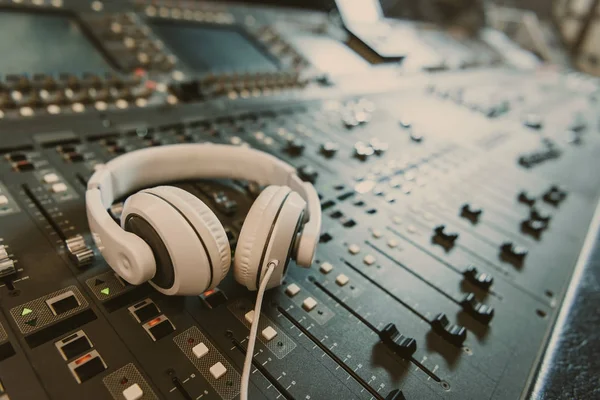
point(363, 151)
point(480, 279)
point(308, 173)
point(536, 215)
point(477, 310)
point(454, 334)
point(295, 147)
point(554, 196)
point(525, 198)
point(443, 238)
point(471, 213)
point(329, 149)
point(513, 254)
point(404, 346)
point(533, 228)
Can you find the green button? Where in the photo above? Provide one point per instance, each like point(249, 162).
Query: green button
point(32, 322)
point(26, 311)
point(105, 291)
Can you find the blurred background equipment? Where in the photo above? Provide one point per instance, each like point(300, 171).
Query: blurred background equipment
point(454, 146)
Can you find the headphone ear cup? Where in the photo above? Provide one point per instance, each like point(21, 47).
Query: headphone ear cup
point(268, 234)
point(189, 244)
point(203, 218)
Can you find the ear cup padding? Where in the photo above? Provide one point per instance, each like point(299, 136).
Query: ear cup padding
point(194, 255)
point(254, 232)
point(268, 234)
point(165, 275)
point(205, 223)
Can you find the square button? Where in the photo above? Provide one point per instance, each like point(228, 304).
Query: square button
point(326, 267)
point(342, 279)
point(369, 259)
point(292, 290)
point(354, 249)
point(51, 178)
point(200, 350)
point(59, 187)
point(218, 370)
point(309, 304)
point(249, 316)
point(269, 333)
point(3, 200)
point(133, 392)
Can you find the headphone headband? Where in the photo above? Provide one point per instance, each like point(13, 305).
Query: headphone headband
point(151, 166)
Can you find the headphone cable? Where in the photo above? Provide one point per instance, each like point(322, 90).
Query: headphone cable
point(254, 329)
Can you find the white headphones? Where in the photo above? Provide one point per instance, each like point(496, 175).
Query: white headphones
point(170, 228)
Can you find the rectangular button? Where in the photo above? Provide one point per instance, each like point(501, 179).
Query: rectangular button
point(3, 200)
point(22, 166)
point(213, 298)
point(144, 311)
point(51, 178)
point(369, 259)
point(59, 188)
point(249, 316)
point(74, 345)
point(62, 303)
point(326, 268)
point(159, 327)
point(87, 366)
point(342, 280)
point(133, 392)
point(268, 333)
point(218, 370)
point(292, 290)
point(200, 350)
point(309, 304)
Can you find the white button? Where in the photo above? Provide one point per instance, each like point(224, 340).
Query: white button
point(269, 333)
point(59, 187)
point(3, 200)
point(218, 370)
point(292, 290)
point(309, 303)
point(392, 243)
point(376, 233)
point(249, 316)
point(354, 249)
point(133, 392)
point(369, 259)
point(200, 350)
point(51, 178)
point(342, 279)
point(326, 268)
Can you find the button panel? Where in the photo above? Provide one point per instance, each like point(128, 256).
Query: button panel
point(227, 385)
point(73, 345)
point(87, 366)
point(281, 346)
point(125, 377)
point(48, 309)
point(159, 327)
point(144, 311)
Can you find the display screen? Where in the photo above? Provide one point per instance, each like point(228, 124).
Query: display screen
point(213, 48)
point(40, 43)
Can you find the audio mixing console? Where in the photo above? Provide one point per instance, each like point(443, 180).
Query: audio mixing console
point(457, 188)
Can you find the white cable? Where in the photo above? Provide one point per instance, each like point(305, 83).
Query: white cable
point(253, 331)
